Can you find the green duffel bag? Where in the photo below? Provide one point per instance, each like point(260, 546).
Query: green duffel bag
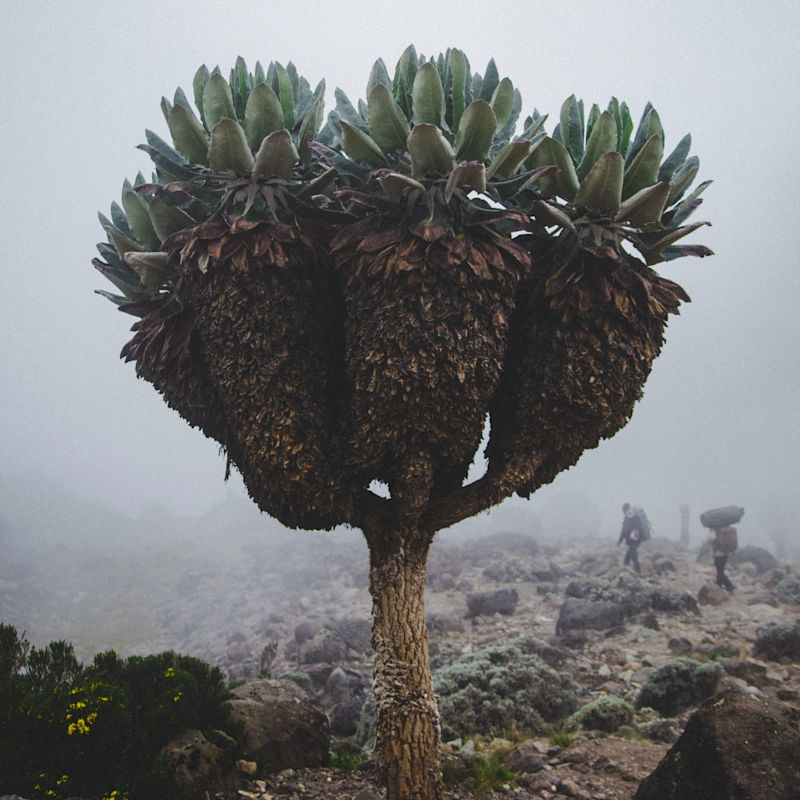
point(721, 517)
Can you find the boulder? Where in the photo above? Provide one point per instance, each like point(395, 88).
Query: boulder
point(323, 648)
point(672, 601)
point(576, 614)
point(787, 590)
point(526, 758)
point(712, 595)
point(778, 641)
point(762, 559)
point(679, 684)
point(354, 632)
point(494, 601)
point(734, 746)
point(281, 726)
point(198, 766)
point(307, 630)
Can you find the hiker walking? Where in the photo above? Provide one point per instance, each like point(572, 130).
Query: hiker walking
point(631, 534)
point(720, 549)
point(723, 538)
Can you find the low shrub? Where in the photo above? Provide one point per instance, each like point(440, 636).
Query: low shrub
point(97, 731)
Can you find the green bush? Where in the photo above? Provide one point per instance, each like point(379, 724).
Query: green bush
point(678, 684)
point(604, 714)
point(501, 688)
point(97, 731)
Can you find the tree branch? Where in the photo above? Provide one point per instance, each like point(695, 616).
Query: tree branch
point(494, 486)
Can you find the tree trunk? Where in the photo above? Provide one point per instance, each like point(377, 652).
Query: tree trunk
point(406, 716)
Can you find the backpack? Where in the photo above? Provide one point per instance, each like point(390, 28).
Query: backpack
point(646, 528)
point(727, 540)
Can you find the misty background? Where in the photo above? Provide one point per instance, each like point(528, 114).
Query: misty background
point(94, 466)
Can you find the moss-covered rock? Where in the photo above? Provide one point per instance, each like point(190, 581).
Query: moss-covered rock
point(501, 688)
point(604, 714)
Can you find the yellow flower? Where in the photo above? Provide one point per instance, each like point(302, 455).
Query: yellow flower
point(169, 672)
point(177, 697)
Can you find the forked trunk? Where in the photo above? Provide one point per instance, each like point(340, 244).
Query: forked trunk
point(406, 716)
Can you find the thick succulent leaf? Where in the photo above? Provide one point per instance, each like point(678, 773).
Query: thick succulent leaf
point(198, 87)
point(457, 86)
point(572, 128)
point(686, 207)
point(489, 82)
point(121, 243)
point(361, 146)
point(476, 132)
point(217, 101)
point(502, 101)
point(680, 250)
point(396, 185)
point(166, 107)
point(476, 86)
point(552, 215)
point(120, 220)
point(387, 122)
point(229, 149)
point(404, 75)
point(428, 96)
point(683, 179)
point(654, 247)
point(649, 126)
point(509, 159)
point(673, 161)
point(594, 115)
point(378, 75)
point(533, 125)
point(188, 135)
point(310, 126)
point(603, 139)
point(645, 206)
point(627, 128)
point(168, 219)
point(601, 189)
point(504, 134)
point(258, 75)
point(285, 92)
point(139, 218)
point(564, 183)
point(152, 268)
point(471, 174)
point(240, 83)
point(180, 99)
point(642, 171)
point(263, 115)
point(430, 151)
point(276, 157)
point(348, 113)
point(117, 299)
point(130, 286)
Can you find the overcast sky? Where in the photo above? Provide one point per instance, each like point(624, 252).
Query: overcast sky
point(81, 81)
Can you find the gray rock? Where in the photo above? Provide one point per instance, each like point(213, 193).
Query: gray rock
point(712, 595)
point(526, 758)
point(778, 641)
point(672, 601)
point(307, 630)
point(198, 766)
point(281, 726)
point(493, 601)
point(324, 648)
point(355, 633)
point(762, 559)
point(576, 614)
point(788, 590)
point(734, 746)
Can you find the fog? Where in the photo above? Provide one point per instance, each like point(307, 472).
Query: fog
point(719, 420)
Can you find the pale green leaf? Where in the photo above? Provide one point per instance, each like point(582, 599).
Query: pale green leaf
point(601, 189)
point(388, 125)
point(565, 182)
point(502, 101)
point(229, 149)
point(217, 101)
point(642, 170)
point(428, 96)
point(475, 134)
point(276, 157)
point(508, 160)
point(430, 151)
point(603, 139)
point(645, 206)
point(359, 146)
point(262, 115)
point(471, 174)
point(188, 135)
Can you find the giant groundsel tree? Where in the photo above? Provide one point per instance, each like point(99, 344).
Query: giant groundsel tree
point(343, 303)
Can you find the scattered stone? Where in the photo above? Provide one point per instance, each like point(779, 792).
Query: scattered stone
point(788, 590)
point(281, 726)
point(762, 559)
point(679, 646)
point(197, 765)
point(672, 601)
point(577, 614)
point(494, 601)
point(526, 758)
point(778, 641)
point(734, 746)
point(712, 595)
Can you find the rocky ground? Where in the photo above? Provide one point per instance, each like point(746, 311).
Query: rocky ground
point(303, 612)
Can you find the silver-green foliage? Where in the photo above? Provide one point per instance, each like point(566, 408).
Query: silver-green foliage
point(500, 688)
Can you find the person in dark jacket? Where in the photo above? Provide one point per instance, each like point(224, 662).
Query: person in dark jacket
point(631, 534)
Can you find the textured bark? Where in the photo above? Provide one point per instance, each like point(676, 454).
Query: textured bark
point(406, 715)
